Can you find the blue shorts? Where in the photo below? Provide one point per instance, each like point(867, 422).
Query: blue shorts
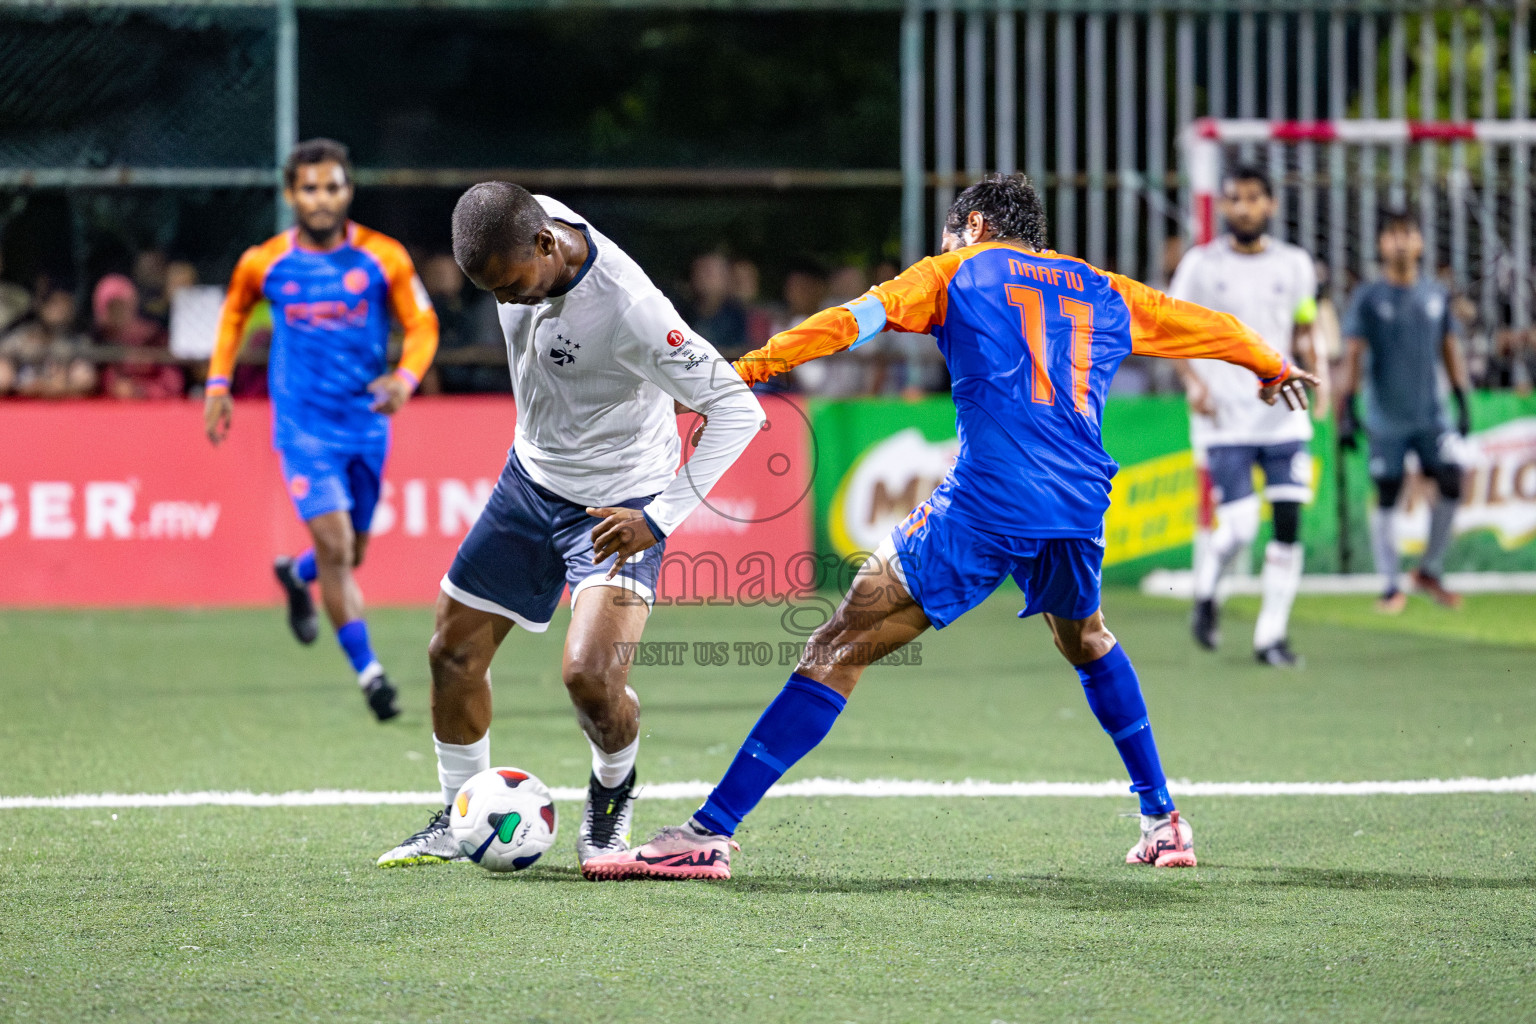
point(528, 544)
point(321, 481)
point(949, 567)
point(1389, 452)
point(1287, 471)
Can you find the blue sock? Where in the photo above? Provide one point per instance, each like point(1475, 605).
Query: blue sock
point(1114, 696)
point(304, 567)
point(799, 718)
point(353, 638)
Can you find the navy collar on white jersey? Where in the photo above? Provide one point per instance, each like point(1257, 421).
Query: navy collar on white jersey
point(586, 264)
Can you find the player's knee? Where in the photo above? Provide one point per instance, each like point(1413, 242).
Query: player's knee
point(1387, 491)
point(1082, 644)
point(335, 546)
point(359, 549)
point(1287, 518)
point(590, 678)
point(1241, 518)
point(454, 659)
point(1448, 479)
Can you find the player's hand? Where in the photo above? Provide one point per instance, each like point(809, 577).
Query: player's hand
point(678, 409)
point(1292, 389)
point(218, 414)
point(623, 533)
point(390, 394)
point(1199, 396)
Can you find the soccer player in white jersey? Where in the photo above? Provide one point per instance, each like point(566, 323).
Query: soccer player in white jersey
point(589, 494)
point(1271, 286)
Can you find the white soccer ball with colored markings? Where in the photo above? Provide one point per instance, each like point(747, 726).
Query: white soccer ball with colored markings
point(503, 819)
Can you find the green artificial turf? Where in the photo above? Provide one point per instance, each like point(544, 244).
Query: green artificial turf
point(842, 909)
point(1491, 618)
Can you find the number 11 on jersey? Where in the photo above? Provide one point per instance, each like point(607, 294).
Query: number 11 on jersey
point(1031, 304)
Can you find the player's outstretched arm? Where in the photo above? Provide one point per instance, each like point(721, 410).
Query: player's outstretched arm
point(243, 293)
point(913, 301)
point(1164, 326)
point(413, 309)
point(694, 376)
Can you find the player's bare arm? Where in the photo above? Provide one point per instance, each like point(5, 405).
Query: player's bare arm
point(1308, 356)
point(1196, 392)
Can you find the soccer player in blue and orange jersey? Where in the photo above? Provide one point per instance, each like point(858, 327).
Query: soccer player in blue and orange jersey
point(333, 286)
point(1032, 339)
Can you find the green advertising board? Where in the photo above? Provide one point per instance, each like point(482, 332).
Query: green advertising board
point(877, 458)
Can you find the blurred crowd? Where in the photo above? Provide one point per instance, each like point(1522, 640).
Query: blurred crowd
point(112, 340)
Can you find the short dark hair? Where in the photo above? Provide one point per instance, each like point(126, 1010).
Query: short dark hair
point(1250, 172)
point(1008, 203)
point(1393, 217)
point(316, 151)
point(494, 217)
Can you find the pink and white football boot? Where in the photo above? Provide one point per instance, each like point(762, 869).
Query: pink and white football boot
point(1166, 842)
point(675, 852)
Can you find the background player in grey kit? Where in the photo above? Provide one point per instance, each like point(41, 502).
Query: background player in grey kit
point(1403, 322)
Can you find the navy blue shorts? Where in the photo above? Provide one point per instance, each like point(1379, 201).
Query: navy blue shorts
point(1287, 471)
point(528, 544)
point(321, 481)
point(949, 567)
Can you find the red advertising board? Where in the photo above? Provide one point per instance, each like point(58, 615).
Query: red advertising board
point(117, 504)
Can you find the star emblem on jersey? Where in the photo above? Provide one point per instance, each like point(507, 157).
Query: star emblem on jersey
point(564, 350)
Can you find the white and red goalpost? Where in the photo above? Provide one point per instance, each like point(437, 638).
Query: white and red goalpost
point(1202, 142)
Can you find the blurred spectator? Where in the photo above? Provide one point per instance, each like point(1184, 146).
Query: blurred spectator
point(846, 284)
point(465, 321)
point(149, 275)
point(712, 309)
point(1512, 363)
point(115, 309)
point(14, 300)
point(746, 284)
point(44, 357)
point(179, 274)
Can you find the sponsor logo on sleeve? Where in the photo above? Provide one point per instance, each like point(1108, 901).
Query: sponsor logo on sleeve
point(675, 338)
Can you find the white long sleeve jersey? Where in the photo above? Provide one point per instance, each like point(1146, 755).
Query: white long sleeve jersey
point(595, 370)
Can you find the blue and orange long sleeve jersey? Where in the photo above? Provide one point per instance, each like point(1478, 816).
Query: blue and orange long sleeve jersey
point(1032, 340)
point(330, 333)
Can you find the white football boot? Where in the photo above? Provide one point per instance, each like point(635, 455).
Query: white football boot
point(432, 845)
point(606, 820)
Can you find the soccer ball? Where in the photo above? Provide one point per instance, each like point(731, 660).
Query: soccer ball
point(503, 819)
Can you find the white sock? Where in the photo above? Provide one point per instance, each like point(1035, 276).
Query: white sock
point(457, 764)
point(1236, 524)
point(612, 769)
point(1280, 580)
point(369, 674)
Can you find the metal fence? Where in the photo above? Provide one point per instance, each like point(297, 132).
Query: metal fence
point(1102, 90)
point(1087, 96)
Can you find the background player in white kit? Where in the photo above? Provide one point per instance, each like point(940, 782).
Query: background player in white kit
point(598, 357)
point(1271, 286)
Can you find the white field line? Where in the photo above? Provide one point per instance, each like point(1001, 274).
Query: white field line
point(806, 788)
point(1180, 583)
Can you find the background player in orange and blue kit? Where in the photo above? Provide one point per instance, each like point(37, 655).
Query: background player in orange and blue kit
point(333, 286)
point(1032, 339)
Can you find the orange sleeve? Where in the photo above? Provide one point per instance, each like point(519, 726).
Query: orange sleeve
point(243, 293)
point(1174, 329)
point(409, 302)
point(914, 301)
